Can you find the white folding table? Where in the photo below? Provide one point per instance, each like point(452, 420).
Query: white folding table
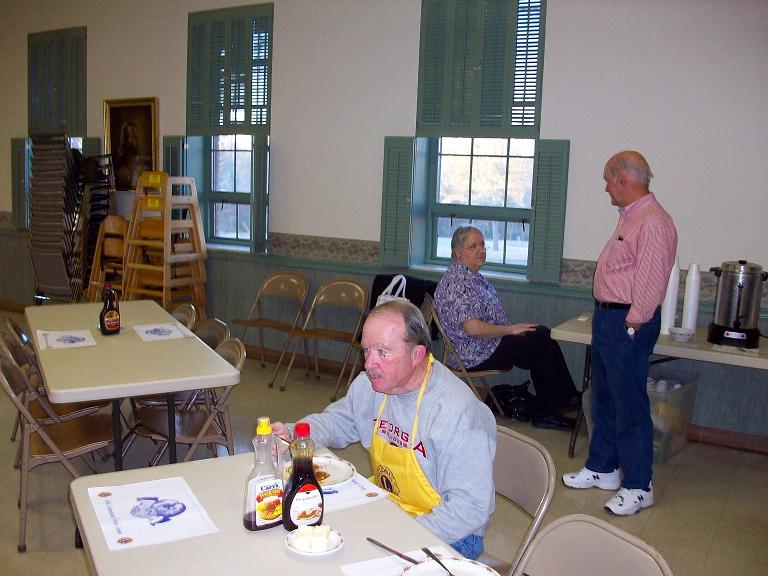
point(579, 330)
point(218, 484)
point(123, 365)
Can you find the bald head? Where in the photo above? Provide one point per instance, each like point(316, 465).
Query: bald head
point(626, 176)
point(633, 164)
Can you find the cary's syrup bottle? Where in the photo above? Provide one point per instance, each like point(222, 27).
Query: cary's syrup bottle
point(263, 502)
point(109, 319)
point(303, 501)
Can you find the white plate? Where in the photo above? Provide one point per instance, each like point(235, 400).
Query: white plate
point(338, 470)
point(459, 567)
point(335, 541)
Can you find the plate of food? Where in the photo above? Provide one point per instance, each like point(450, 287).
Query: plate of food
point(458, 566)
point(314, 540)
point(329, 470)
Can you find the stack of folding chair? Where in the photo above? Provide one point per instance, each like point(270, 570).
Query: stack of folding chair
point(55, 199)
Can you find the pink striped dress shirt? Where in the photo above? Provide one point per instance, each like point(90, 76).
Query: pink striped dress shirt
point(634, 266)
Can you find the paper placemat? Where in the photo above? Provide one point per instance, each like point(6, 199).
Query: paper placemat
point(356, 492)
point(147, 513)
point(47, 339)
point(169, 331)
point(390, 565)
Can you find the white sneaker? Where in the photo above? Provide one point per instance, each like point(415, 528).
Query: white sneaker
point(585, 478)
point(627, 501)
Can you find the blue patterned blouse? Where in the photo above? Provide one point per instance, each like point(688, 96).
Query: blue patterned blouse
point(460, 296)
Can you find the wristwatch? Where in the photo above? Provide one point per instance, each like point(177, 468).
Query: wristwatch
point(630, 331)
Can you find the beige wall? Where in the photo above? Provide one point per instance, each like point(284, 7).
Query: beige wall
point(686, 82)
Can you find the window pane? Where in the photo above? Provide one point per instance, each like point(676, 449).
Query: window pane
point(520, 182)
point(490, 146)
point(225, 142)
point(243, 221)
point(225, 220)
point(453, 187)
point(521, 147)
point(488, 175)
point(456, 146)
point(493, 231)
point(223, 171)
point(244, 142)
point(243, 172)
point(517, 244)
point(505, 242)
point(445, 228)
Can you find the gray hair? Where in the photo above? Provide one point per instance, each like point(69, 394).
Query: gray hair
point(633, 164)
point(416, 331)
point(459, 237)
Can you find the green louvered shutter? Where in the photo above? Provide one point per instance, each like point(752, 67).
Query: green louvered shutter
point(432, 64)
point(92, 146)
point(229, 61)
point(57, 68)
point(394, 248)
point(260, 195)
point(480, 68)
point(548, 226)
point(20, 162)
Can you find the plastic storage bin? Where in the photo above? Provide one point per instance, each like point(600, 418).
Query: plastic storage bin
point(671, 409)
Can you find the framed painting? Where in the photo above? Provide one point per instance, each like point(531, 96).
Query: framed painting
point(130, 136)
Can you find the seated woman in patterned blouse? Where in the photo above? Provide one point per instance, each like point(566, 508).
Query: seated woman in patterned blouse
point(485, 339)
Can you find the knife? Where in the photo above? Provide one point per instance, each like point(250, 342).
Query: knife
point(395, 552)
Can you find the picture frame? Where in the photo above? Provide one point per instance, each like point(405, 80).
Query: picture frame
point(130, 136)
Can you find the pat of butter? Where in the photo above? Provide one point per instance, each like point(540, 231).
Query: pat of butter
point(312, 538)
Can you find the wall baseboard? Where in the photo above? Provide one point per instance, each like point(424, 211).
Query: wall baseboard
point(728, 438)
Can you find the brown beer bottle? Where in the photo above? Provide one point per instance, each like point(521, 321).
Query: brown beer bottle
point(109, 319)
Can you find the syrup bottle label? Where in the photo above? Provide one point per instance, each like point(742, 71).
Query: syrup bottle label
point(267, 497)
point(307, 505)
point(112, 321)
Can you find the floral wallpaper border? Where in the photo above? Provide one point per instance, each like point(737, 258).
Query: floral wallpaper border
point(575, 273)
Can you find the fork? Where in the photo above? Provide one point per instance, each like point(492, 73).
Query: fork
point(429, 553)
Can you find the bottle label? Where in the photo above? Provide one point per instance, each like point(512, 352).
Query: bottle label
point(307, 505)
point(265, 497)
point(112, 321)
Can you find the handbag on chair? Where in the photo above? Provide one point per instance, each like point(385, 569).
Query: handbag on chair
point(395, 291)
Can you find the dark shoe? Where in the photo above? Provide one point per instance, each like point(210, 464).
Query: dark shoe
point(555, 422)
point(572, 401)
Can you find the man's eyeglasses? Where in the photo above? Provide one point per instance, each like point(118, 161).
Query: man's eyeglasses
point(475, 247)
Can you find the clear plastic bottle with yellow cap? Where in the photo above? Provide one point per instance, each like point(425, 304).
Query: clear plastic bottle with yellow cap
point(263, 502)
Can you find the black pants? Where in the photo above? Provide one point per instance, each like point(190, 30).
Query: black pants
point(537, 352)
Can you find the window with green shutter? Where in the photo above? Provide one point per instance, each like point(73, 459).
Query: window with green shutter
point(229, 61)
point(480, 160)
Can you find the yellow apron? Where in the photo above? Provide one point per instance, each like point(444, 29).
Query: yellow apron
point(396, 469)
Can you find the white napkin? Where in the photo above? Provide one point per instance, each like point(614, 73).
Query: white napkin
point(389, 565)
point(356, 492)
point(64, 339)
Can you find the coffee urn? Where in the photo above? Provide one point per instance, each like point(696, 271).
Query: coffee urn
point(737, 304)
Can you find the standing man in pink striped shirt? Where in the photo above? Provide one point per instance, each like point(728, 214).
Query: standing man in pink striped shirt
point(630, 282)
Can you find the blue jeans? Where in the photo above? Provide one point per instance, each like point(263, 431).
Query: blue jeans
point(470, 547)
point(622, 436)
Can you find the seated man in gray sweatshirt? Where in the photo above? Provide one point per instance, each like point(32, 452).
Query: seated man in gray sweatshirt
point(430, 440)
